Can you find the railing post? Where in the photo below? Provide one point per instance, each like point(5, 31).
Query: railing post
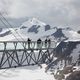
point(15, 45)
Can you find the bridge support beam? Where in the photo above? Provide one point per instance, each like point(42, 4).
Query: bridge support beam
point(12, 55)
point(25, 57)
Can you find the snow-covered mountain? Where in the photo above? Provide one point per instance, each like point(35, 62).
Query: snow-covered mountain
point(35, 29)
point(69, 49)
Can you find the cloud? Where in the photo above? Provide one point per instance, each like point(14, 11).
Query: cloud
point(51, 11)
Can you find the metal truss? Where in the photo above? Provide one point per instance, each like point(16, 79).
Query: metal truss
point(10, 58)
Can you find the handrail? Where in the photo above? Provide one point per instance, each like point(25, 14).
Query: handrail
point(22, 41)
point(26, 45)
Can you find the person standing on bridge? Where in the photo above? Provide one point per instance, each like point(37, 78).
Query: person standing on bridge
point(29, 42)
point(49, 43)
point(39, 43)
point(46, 43)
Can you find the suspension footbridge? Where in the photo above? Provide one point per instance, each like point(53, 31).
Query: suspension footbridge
point(24, 53)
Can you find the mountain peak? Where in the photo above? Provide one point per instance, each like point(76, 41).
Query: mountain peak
point(33, 21)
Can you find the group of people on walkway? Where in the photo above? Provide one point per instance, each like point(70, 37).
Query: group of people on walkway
point(40, 43)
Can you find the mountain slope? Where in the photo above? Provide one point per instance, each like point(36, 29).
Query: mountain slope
point(35, 29)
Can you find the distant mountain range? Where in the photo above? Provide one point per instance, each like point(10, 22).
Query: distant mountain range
point(35, 29)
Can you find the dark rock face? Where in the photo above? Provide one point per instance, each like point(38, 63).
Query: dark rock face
point(74, 76)
point(63, 52)
point(5, 34)
point(47, 27)
point(23, 27)
point(68, 28)
point(58, 33)
point(64, 49)
point(78, 32)
point(34, 29)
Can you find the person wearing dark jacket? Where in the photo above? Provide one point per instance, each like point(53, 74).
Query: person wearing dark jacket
point(46, 43)
point(39, 43)
point(49, 43)
point(29, 42)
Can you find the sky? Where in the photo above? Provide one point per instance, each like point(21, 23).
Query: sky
point(53, 12)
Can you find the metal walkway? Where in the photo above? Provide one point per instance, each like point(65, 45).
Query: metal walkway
point(23, 53)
